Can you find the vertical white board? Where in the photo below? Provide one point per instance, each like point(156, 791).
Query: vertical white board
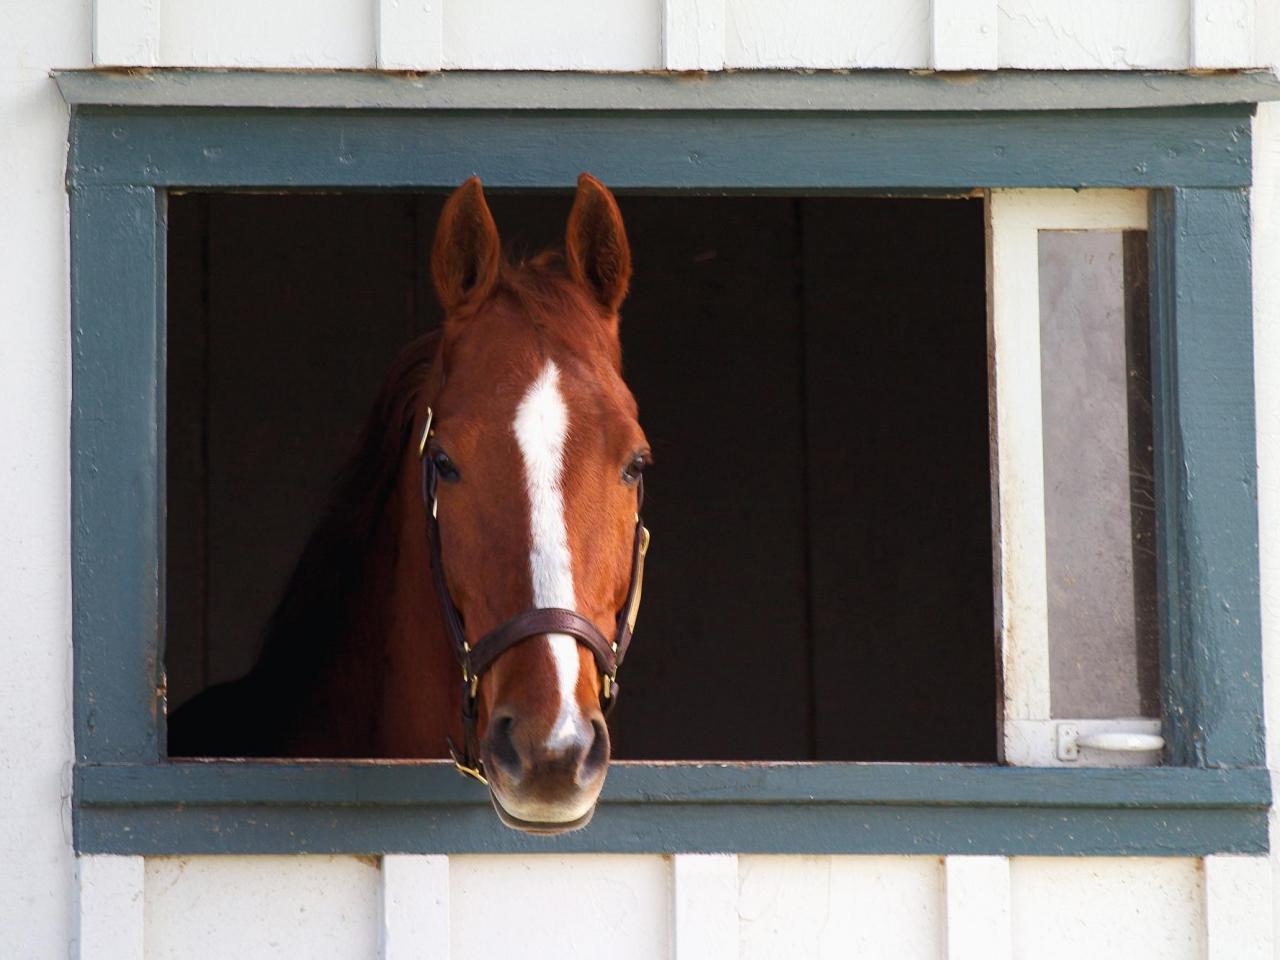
point(963, 35)
point(256, 908)
point(414, 908)
point(1066, 908)
point(578, 907)
point(1238, 908)
point(841, 906)
point(693, 34)
point(827, 34)
point(1222, 33)
point(409, 34)
point(126, 33)
point(109, 908)
point(37, 867)
point(979, 926)
point(704, 907)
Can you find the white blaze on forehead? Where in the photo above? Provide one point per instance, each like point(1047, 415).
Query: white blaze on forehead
point(541, 425)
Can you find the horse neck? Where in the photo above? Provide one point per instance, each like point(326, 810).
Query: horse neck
point(420, 694)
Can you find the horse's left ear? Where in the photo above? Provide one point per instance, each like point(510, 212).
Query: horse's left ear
point(596, 244)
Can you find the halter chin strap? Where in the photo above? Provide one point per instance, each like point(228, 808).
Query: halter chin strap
point(475, 661)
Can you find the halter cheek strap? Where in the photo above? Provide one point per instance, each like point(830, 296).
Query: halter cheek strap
point(475, 661)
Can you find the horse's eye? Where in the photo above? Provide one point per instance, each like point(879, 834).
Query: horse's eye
point(445, 469)
point(631, 472)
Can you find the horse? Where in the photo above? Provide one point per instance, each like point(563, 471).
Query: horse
point(490, 515)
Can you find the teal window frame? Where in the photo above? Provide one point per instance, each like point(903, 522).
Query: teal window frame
point(135, 137)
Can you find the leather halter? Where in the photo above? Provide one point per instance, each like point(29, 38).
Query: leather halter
point(475, 661)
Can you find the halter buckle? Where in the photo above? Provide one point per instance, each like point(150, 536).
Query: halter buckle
point(474, 771)
point(426, 434)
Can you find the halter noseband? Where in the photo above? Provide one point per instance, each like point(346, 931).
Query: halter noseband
point(475, 661)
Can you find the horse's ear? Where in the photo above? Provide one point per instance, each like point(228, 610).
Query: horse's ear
point(467, 253)
point(596, 244)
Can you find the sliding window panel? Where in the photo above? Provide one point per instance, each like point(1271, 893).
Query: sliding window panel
point(1071, 358)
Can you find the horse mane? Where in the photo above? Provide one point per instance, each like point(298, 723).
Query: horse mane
point(254, 716)
point(312, 610)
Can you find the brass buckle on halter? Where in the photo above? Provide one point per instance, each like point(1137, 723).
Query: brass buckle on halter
point(426, 434)
point(476, 772)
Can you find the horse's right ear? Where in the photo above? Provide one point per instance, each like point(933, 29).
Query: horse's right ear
point(467, 253)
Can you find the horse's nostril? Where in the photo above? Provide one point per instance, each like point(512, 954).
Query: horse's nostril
point(597, 753)
point(502, 746)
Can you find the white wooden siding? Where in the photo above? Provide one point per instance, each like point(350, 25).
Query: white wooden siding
point(414, 908)
point(566, 35)
point(824, 907)
point(1094, 34)
point(110, 908)
point(684, 34)
point(615, 906)
point(963, 35)
point(693, 34)
point(701, 907)
point(251, 33)
point(1222, 33)
point(37, 900)
point(126, 33)
point(256, 908)
point(1066, 908)
point(410, 34)
point(827, 33)
point(979, 909)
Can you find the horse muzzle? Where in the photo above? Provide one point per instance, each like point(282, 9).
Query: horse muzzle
point(542, 787)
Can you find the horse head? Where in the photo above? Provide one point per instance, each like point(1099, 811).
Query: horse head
point(532, 457)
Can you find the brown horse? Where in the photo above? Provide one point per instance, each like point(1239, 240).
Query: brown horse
point(534, 452)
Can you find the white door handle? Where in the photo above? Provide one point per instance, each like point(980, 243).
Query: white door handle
point(1122, 742)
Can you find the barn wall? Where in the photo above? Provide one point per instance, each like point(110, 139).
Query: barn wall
point(682, 34)
point(35, 383)
point(751, 906)
point(908, 908)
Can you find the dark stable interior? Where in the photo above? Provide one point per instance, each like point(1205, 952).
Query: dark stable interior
point(811, 374)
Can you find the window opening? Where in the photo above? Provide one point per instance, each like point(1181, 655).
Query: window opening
point(811, 373)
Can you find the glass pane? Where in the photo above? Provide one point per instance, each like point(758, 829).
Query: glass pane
point(1098, 483)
